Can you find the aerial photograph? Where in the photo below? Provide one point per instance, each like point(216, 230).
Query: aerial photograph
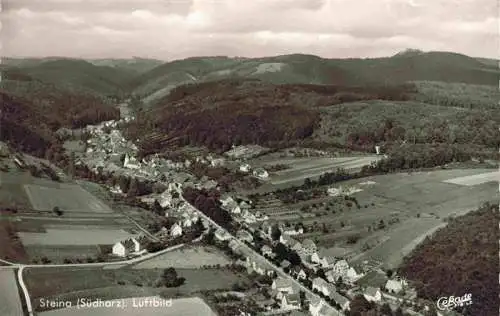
point(249, 158)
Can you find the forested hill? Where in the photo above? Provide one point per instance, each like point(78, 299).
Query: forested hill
point(458, 259)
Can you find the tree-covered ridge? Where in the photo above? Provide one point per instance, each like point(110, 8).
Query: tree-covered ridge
point(222, 113)
point(459, 259)
point(369, 123)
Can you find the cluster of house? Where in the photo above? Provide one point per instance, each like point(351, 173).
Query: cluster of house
point(130, 246)
point(241, 210)
point(112, 152)
point(289, 297)
point(259, 173)
point(336, 269)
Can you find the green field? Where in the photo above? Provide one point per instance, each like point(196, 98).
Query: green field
point(73, 283)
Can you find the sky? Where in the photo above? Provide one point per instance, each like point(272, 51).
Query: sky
point(176, 29)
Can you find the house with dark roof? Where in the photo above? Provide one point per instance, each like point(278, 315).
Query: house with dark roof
point(323, 286)
point(324, 257)
point(308, 246)
point(341, 300)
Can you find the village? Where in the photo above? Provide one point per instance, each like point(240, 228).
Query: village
point(306, 279)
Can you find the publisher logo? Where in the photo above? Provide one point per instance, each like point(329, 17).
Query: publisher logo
point(451, 302)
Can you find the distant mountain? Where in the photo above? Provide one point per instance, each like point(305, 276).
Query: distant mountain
point(71, 75)
point(409, 65)
point(151, 80)
point(136, 65)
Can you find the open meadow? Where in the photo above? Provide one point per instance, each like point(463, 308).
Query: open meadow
point(73, 283)
point(427, 198)
point(192, 306)
point(404, 207)
point(36, 231)
point(10, 301)
point(186, 258)
point(67, 197)
point(75, 236)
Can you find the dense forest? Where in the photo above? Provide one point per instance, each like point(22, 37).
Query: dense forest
point(459, 259)
point(219, 114)
point(29, 123)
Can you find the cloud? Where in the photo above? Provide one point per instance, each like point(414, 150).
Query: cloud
point(170, 29)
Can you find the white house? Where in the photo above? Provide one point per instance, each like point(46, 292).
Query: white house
point(291, 231)
point(353, 275)
point(245, 167)
point(395, 286)
point(290, 301)
point(261, 173)
point(175, 230)
point(187, 222)
point(124, 248)
point(372, 294)
point(131, 162)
